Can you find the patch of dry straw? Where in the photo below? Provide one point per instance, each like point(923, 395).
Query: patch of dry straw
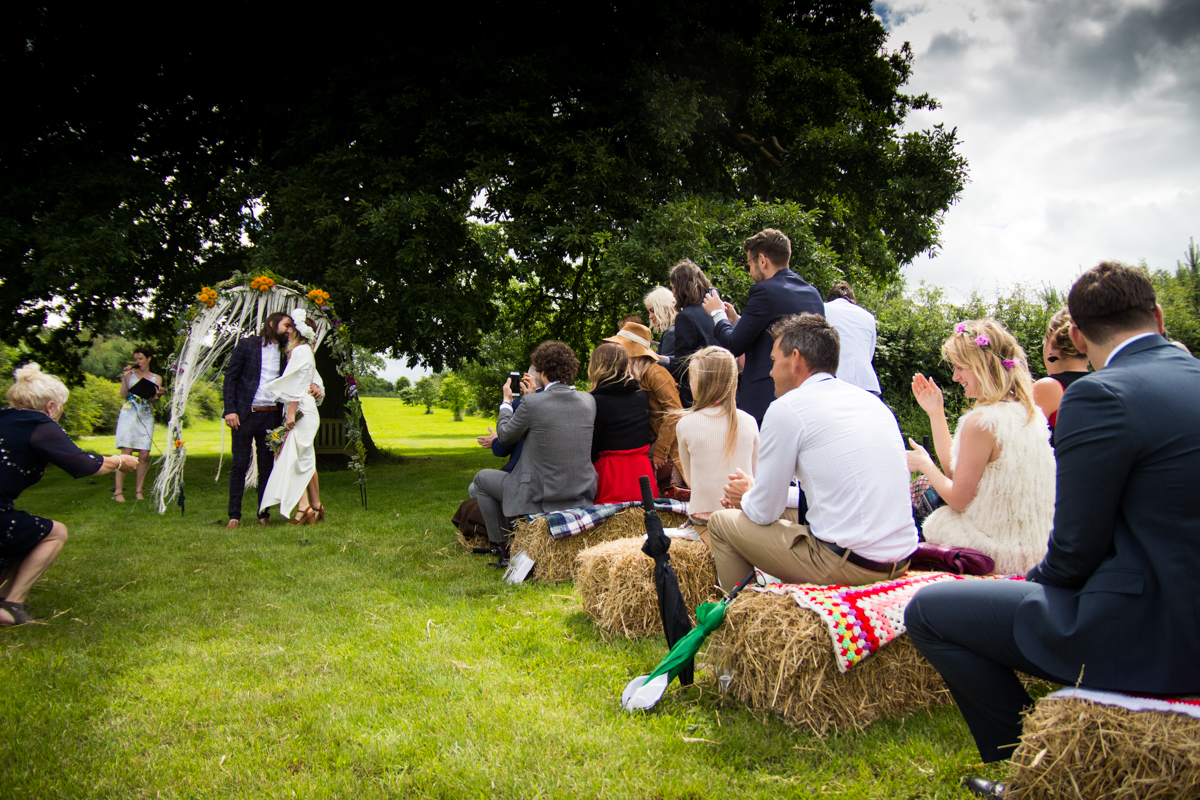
point(1075, 749)
point(781, 659)
point(616, 584)
point(554, 562)
point(478, 540)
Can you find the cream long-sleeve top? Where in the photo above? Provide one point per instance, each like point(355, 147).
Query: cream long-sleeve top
point(701, 437)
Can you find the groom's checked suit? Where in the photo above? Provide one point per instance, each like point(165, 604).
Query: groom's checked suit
point(1115, 604)
point(243, 380)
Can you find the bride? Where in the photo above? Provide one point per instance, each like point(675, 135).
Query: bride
point(293, 482)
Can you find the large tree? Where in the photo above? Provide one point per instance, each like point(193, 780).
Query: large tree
point(430, 181)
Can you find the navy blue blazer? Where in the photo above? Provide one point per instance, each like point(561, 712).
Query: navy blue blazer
point(781, 295)
point(241, 376)
point(694, 331)
point(514, 449)
point(1119, 595)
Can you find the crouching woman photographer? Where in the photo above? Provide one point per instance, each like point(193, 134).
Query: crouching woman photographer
point(30, 438)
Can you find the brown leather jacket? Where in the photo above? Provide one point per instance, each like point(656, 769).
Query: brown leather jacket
point(664, 397)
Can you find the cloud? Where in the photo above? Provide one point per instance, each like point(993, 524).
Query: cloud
point(1079, 119)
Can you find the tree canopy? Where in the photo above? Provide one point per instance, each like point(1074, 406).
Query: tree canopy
point(438, 181)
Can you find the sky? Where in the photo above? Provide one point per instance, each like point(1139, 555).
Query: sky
point(1080, 121)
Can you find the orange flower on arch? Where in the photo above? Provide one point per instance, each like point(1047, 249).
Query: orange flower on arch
point(319, 297)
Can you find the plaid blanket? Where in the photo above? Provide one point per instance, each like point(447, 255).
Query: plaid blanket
point(862, 619)
point(577, 520)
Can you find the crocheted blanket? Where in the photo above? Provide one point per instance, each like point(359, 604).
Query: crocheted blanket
point(1133, 702)
point(577, 520)
point(862, 619)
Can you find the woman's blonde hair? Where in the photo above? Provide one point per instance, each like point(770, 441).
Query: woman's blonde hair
point(995, 357)
point(661, 302)
point(609, 364)
point(295, 339)
point(714, 376)
point(1058, 333)
point(34, 388)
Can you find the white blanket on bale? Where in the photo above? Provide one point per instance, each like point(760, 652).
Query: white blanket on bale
point(1131, 702)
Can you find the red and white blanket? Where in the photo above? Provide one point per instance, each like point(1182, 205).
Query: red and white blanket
point(1132, 702)
point(862, 619)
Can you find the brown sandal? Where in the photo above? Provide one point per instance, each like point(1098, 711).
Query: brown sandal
point(18, 612)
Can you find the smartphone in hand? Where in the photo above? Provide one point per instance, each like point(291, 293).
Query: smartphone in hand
point(514, 382)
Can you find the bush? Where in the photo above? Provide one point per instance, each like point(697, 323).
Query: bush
point(92, 407)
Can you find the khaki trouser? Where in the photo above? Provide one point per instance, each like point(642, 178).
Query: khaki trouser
point(784, 549)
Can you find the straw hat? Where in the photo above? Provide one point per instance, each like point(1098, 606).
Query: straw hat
point(635, 338)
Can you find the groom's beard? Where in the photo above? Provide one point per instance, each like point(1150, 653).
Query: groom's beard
point(281, 339)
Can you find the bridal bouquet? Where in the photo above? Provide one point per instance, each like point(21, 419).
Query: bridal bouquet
point(277, 436)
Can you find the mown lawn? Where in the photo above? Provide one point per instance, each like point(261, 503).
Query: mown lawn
point(370, 656)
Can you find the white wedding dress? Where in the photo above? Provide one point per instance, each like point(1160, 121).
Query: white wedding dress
point(297, 459)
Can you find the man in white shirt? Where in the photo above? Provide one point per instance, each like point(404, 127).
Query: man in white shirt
point(845, 448)
point(856, 335)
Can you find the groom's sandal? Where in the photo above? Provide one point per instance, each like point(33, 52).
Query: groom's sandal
point(17, 611)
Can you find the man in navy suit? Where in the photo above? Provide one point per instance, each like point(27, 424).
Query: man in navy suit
point(1113, 604)
point(777, 293)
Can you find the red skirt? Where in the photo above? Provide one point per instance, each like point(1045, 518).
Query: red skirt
point(617, 473)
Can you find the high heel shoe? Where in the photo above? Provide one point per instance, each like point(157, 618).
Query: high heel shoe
point(303, 518)
point(320, 514)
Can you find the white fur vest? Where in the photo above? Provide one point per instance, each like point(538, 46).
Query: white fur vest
point(1013, 510)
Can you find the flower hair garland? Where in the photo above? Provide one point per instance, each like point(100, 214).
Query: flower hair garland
point(300, 320)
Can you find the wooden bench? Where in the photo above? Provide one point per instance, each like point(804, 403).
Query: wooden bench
point(331, 438)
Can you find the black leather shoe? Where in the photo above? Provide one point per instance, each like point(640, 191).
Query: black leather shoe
point(981, 787)
point(501, 564)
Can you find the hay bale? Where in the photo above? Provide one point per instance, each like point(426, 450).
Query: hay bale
point(477, 540)
point(616, 584)
point(780, 657)
point(1074, 748)
point(555, 561)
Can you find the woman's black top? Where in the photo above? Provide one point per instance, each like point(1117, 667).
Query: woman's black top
point(667, 346)
point(1067, 378)
point(29, 440)
point(622, 417)
point(694, 330)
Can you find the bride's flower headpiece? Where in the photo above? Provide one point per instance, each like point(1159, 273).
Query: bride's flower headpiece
point(300, 321)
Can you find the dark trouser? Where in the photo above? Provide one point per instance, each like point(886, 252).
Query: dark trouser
point(966, 630)
point(488, 490)
point(251, 431)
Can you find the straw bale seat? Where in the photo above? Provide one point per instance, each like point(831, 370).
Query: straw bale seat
point(616, 584)
point(554, 561)
point(475, 540)
point(779, 657)
point(1076, 748)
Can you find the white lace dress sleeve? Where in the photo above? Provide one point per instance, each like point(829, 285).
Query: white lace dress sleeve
point(292, 386)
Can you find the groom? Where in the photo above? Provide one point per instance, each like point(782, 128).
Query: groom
point(251, 410)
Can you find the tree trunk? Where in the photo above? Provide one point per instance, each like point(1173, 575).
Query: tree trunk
point(334, 406)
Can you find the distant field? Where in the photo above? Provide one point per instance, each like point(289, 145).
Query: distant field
point(394, 426)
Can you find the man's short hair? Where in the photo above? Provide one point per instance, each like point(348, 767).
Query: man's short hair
point(813, 336)
point(555, 361)
point(628, 318)
point(773, 244)
point(689, 284)
point(1111, 298)
point(841, 289)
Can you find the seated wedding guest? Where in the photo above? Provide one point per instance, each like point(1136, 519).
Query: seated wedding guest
point(660, 308)
point(663, 395)
point(845, 448)
point(1064, 365)
point(30, 438)
point(621, 432)
point(1112, 606)
point(856, 330)
point(777, 292)
point(999, 488)
point(693, 325)
point(715, 438)
point(555, 471)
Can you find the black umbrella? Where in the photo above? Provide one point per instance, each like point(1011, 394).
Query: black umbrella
point(671, 605)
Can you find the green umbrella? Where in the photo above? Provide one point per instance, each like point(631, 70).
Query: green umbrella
point(644, 691)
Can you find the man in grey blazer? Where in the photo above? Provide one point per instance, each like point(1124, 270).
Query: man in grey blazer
point(555, 470)
point(1113, 604)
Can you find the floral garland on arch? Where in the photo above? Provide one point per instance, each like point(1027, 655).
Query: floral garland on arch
point(219, 317)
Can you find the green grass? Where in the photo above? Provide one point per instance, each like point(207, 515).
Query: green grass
point(370, 656)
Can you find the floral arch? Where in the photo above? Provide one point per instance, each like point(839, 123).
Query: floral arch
point(223, 314)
